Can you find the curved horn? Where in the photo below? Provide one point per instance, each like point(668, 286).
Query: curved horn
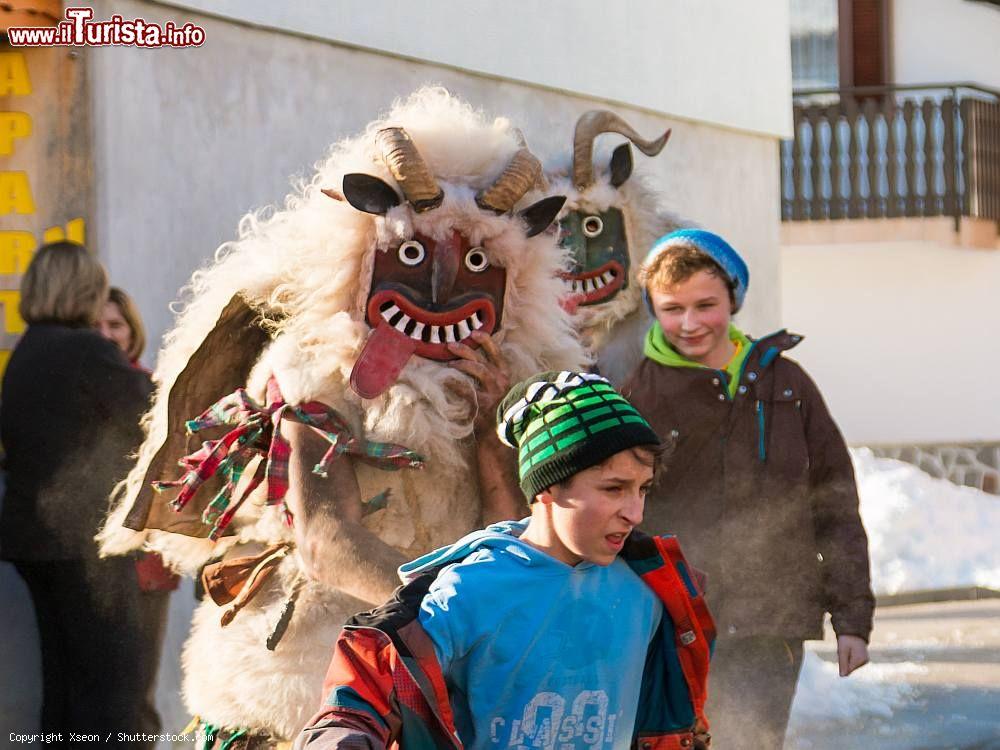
point(590, 125)
point(517, 179)
point(409, 169)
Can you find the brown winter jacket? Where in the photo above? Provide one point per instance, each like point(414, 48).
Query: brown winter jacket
point(760, 491)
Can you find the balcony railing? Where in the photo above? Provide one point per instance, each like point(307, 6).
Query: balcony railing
point(891, 151)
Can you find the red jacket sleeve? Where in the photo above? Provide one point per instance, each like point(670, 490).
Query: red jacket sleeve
point(359, 708)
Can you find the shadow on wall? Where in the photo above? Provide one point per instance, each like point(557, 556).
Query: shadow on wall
point(20, 653)
point(20, 657)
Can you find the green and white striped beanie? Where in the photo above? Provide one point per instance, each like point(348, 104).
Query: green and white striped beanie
point(564, 422)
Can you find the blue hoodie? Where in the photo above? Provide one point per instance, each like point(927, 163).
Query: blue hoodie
point(536, 653)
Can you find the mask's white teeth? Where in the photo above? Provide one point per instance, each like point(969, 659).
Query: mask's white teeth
point(587, 286)
point(599, 283)
point(463, 330)
point(575, 285)
point(418, 331)
point(402, 323)
point(449, 334)
point(435, 334)
point(388, 313)
point(476, 322)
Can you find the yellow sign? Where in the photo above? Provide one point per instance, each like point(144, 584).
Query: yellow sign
point(17, 246)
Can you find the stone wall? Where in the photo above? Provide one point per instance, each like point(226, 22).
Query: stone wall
point(969, 464)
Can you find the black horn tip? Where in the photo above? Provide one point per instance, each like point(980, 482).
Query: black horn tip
point(481, 202)
point(426, 204)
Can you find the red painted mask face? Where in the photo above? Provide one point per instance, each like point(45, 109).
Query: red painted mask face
point(436, 293)
point(426, 294)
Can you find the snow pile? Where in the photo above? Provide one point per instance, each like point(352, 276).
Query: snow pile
point(875, 690)
point(925, 533)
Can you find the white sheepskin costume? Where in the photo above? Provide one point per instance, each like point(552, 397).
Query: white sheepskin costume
point(307, 267)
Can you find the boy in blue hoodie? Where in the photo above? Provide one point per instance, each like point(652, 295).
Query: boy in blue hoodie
point(568, 630)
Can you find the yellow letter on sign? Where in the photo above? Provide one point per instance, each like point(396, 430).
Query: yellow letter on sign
point(12, 321)
point(13, 125)
point(15, 194)
point(16, 249)
point(14, 74)
point(75, 231)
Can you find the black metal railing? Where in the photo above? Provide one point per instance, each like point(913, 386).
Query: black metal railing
point(889, 151)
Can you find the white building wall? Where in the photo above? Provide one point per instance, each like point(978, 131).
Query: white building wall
point(900, 337)
point(946, 40)
point(188, 140)
point(716, 61)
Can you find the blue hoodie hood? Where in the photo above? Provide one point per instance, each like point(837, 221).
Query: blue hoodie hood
point(503, 535)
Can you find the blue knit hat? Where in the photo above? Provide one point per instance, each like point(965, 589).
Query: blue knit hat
point(715, 248)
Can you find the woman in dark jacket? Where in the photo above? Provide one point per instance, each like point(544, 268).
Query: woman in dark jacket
point(68, 421)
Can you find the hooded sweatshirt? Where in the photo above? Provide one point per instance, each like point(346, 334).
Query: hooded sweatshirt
point(658, 349)
point(536, 652)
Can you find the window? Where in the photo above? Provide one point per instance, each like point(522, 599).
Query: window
point(814, 33)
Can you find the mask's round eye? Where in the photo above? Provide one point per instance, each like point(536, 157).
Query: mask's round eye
point(593, 226)
point(476, 260)
point(411, 253)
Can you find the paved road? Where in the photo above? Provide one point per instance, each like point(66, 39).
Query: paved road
point(941, 662)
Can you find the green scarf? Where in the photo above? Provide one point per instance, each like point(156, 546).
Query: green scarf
point(659, 350)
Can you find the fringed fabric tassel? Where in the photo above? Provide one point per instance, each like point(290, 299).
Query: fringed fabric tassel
point(258, 432)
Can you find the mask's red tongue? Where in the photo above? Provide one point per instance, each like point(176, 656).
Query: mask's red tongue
point(383, 358)
point(571, 302)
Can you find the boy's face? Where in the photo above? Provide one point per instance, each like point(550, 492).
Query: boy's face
point(694, 315)
point(593, 512)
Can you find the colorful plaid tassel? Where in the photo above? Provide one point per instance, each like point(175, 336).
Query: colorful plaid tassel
point(257, 432)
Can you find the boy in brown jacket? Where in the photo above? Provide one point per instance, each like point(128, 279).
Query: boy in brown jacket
point(761, 490)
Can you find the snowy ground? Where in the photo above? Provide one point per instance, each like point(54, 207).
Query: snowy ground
point(934, 680)
point(933, 684)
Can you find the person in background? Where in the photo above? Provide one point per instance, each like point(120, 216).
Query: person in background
point(121, 323)
point(68, 421)
point(761, 492)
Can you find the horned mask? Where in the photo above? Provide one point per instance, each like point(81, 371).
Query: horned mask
point(598, 238)
point(431, 291)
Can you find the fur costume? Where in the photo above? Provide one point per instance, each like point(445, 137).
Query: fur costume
point(609, 222)
point(292, 299)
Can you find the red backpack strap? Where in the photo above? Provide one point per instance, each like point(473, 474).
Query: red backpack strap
point(693, 624)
